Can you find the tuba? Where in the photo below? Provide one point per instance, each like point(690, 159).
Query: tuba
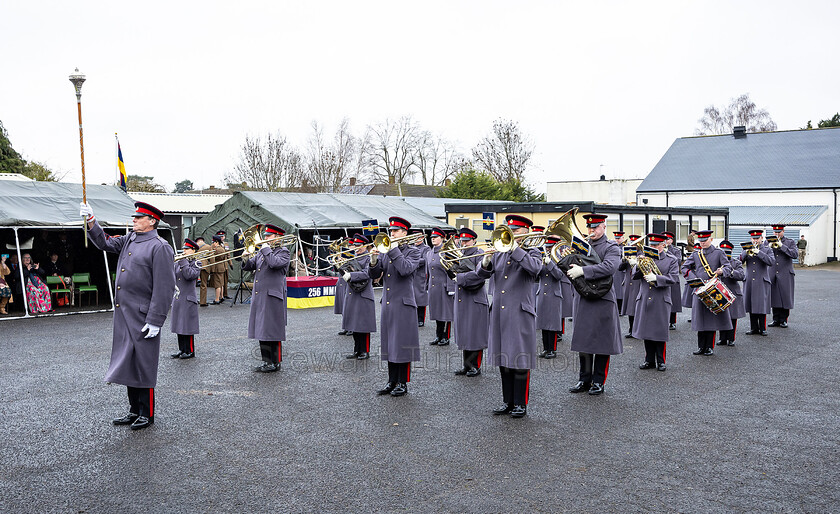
point(573, 249)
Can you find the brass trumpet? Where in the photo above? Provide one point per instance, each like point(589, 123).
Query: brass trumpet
point(383, 242)
point(502, 241)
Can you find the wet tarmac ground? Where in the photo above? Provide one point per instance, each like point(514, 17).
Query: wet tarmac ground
point(752, 428)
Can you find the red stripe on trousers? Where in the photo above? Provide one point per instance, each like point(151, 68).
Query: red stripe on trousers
point(734, 328)
point(563, 326)
point(408, 372)
point(151, 402)
point(448, 328)
point(527, 385)
point(713, 339)
point(480, 353)
point(606, 370)
point(367, 343)
point(192, 344)
point(555, 341)
point(279, 351)
point(664, 348)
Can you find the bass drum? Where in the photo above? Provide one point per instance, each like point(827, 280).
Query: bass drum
point(592, 289)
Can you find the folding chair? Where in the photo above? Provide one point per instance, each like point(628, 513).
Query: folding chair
point(57, 287)
point(82, 283)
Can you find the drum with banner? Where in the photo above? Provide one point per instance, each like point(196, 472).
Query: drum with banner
point(715, 295)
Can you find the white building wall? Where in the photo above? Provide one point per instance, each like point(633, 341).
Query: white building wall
point(820, 235)
point(611, 192)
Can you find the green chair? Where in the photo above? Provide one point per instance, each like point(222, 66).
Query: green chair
point(82, 283)
point(57, 287)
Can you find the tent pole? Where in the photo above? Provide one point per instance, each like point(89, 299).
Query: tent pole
point(22, 280)
point(298, 252)
point(108, 277)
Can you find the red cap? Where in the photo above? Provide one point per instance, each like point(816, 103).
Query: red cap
point(515, 220)
point(397, 222)
point(756, 232)
point(273, 229)
point(144, 209)
point(657, 238)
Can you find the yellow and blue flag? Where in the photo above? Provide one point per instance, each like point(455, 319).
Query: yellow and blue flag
point(123, 178)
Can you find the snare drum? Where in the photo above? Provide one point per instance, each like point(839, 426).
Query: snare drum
point(715, 295)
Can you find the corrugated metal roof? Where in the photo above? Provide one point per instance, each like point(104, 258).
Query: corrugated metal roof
point(171, 203)
point(798, 159)
point(766, 215)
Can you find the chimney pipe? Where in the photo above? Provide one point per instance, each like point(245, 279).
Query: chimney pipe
point(352, 181)
point(739, 132)
point(603, 177)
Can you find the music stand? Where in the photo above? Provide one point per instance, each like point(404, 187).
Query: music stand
point(238, 245)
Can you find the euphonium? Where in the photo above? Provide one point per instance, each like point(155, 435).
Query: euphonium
point(645, 263)
point(572, 249)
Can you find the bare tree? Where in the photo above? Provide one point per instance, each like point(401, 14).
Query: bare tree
point(505, 153)
point(391, 150)
point(741, 111)
point(272, 165)
point(436, 159)
point(329, 164)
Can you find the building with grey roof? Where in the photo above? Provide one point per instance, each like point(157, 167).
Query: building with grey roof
point(789, 177)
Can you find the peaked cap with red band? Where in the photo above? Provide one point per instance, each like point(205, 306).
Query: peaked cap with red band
point(144, 209)
point(756, 233)
point(274, 229)
point(189, 243)
point(726, 245)
point(537, 228)
point(360, 239)
point(221, 233)
point(552, 240)
point(704, 234)
point(397, 222)
point(669, 235)
point(438, 232)
point(777, 228)
point(515, 220)
point(634, 237)
point(657, 238)
point(593, 220)
point(618, 234)
point(467, 233)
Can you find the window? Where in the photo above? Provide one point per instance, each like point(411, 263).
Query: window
point(478, 228)
point(186, 224)
point(634, 225)
point(718, 228)
point(612, 226)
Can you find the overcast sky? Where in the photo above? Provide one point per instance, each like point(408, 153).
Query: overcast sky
point(599, 86)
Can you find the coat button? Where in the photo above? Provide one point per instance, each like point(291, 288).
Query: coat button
point(119, 287)
point(122, 270)
point(129, 253)
point(505, 276)
point(387, 288)
point(503, 306)
point(503, 291)
point(118, 305)
point(387, 303)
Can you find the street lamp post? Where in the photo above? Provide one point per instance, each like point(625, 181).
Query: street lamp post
point(78, 79)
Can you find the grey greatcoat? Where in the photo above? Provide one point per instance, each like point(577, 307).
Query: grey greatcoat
point(340, 295)
point(732, 279)
point(441, 303)
point(360, 308)
point(631, 288)
point(782, 274)
point(624, 279)
point(185, 304)
point(702, 319)
point(757, 283)
point(568, 296)
point(399, 335)
point(676, 292)
point(513, 324)
point(267, 319)
point(471, 326)
point(550, 298)
point(653, 303)
point(597, 329)
point(143, 294)
point(421, 278)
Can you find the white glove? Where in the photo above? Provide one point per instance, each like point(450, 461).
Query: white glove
point(85, 211)
point(485, 262)
point(547, 260)
point(575, 271)
point(153, 331)
point(265, 245)
point(632, 261)
point(346, 276)
point(650, 277)
point(393, 245)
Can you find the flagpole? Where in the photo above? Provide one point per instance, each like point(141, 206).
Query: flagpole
point(117, 163)
point(78, 79)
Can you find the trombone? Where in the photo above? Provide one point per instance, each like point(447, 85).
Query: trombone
point(501, 241)
point(253, 241)
point(201, 255)
point(382, 243)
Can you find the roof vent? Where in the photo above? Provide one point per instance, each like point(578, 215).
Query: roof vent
point(740, 132)
point(603, 177)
